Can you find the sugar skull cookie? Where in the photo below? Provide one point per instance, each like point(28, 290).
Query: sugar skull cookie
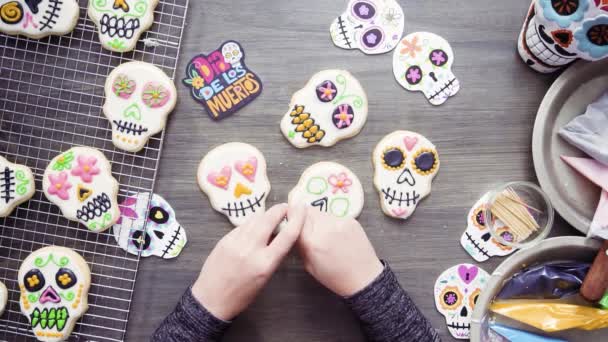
point(234, 177)
point(477, 239)
point(3, 297)
point(330, 187)
point(148, 226)
point(54, 283)
point(423, 62)
point(38, 18)
point(331, 107)
point(139, 99)
point(81, 184)
point(120, 23)
point(372, 26)
point(456, 293)
point(405, 164)
point(16, 186)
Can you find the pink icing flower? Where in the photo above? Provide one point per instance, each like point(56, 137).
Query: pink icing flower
point(86, 168)
point(327, 91)
point(126, 209)
point(340, 182)
point(343, 118)
point(155, 95)
point(59, 185)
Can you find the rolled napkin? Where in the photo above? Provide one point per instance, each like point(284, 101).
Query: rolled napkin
point(516, 335)
point(589, 132)
point(552, 316)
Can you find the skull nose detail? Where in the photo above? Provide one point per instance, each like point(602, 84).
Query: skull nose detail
point(406, 177)
point(486, 237)
point(433, 76)
point(241, 190)
point(49, 295)
point(464, 312)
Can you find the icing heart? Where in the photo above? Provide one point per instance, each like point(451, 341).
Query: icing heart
point(467, 274)
point(410, 142)
point(221, 179)
point(247, 168)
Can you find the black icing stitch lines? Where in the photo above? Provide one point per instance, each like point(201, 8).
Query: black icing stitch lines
point(50, 18)
point(408, 199)
point(129, 127)
point(7, 185)
point(238, 209)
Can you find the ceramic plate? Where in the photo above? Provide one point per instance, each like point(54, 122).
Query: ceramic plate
point(572, 195)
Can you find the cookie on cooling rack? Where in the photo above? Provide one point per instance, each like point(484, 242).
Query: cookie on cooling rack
point(3, 297)
point(16, 186)
point(80, 182)
point(139, 99)
point(40, 18)
point(54, 283)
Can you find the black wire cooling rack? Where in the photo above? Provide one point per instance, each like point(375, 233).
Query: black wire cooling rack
point(51, 97)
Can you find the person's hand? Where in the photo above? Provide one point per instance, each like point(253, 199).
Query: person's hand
point(243, 262)
point(337, 252)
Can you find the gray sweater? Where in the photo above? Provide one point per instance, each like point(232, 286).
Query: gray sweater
point(385, 311)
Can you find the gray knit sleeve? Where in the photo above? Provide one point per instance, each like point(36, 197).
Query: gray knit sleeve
point(190, 321)
point(388, 314)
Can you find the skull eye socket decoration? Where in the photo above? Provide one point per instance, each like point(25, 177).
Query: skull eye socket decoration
point(120, 23)
point(54, 283)
point(331, 107)
point(557, 32)
point(477, 239)
point(38, 18)
point(372, 26)
point(405, 164)
point(423, 62)
point(234, 177)
point(80, 182)
point(139, 99)
point(330, 187)
point(456, 293)
point(148, 226)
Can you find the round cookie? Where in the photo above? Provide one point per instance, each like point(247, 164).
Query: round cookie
point(330, 187)
point(405, 164)
point(3, 297)
point(139, 99)
point(38, 18)
point(120, 23)
point(80, 182)
point(331, 107)
point(16, 186)
point(234, 177)
point(54, 283)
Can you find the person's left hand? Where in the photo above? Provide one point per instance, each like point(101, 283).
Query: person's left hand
point(243, 262)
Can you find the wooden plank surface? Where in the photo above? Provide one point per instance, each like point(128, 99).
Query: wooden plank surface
point(483, 136)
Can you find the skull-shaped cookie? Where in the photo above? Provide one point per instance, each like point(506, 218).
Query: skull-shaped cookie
point(405, 164)
point(556, 33)
point(477, 239)
point(232, 53)
point(423, 62)
point(139, 99)
point(80, 182)
point(38, 18)
point(3, 297)
point(331, 107)
point(148, 226)
point(54, 283)
point(456, 293)
point(234, 177)
point(330, 187)
point(16, 186)
point(120, 23)
point(372, 26)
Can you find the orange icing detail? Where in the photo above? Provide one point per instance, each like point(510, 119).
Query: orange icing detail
point(248, 169)
point(221, 180)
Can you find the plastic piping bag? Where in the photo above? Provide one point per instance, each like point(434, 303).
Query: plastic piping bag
point(515, 335)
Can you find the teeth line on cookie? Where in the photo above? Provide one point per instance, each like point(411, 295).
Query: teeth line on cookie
point(129, 127)
point(94, 208)
point(409, 200)
point(51, 14)
point(173, 241)
point(234, 211)
point(6, 183)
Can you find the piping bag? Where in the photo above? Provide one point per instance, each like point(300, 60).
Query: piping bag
point(551, 316)
point(546, 281)
point(515, 335)
point(604, 302)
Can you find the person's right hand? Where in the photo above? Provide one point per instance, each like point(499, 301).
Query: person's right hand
point(336, 252)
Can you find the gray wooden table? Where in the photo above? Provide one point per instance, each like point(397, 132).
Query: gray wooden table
point(483, 136)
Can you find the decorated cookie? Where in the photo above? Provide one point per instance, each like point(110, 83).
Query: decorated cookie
point(16, 186)
point(330, 187)
point(405, 164)
point(38, 18)
point(54, 283)
point(234, 177)
point(456, 293)
point(423, 62)
point(3, 297)
point(120, 23)
point(477, 239)
point(331, 107)
point(80, 182)
point(139, 98)
point(372, 26)
point(221, 82)
point(148, 226)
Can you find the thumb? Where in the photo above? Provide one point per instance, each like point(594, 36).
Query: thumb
point(287, 237)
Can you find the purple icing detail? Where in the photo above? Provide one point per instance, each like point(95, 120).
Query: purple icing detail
point(425, 161)
point(372, 37)
point(438, 57)
point(364, 10)
point(467, 274)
